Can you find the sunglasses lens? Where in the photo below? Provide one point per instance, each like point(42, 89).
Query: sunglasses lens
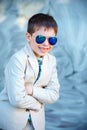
point(40, 39)
point(52, 40)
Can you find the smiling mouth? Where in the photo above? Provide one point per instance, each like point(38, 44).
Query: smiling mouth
point(44, 49)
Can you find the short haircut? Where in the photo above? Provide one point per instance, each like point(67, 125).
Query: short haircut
point(41, 20)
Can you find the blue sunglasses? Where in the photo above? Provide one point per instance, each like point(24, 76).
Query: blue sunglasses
point(40, 39)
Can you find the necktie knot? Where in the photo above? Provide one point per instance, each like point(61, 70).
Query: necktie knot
point(39, 62)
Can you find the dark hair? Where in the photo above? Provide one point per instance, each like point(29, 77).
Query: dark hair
point(41, 20)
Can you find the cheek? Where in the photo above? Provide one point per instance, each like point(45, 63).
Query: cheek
point(32, 42)
point(33, 45)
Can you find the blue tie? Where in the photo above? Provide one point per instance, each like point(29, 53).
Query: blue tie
point(39, 63)
point(29, 119)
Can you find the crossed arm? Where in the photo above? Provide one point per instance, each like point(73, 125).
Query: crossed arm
point(25, 95)
point(47, 94)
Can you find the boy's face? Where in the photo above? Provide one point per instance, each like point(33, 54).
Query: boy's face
point(40, 49)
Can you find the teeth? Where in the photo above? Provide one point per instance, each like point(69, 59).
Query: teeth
point(43, 48)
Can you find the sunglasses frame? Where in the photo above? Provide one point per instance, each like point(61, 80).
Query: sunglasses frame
point(40, 39)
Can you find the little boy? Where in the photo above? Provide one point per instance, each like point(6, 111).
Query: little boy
point(31, 78)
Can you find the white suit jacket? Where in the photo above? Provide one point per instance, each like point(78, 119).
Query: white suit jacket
point(23, 68)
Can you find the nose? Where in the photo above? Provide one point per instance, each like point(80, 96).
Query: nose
point(46, 42)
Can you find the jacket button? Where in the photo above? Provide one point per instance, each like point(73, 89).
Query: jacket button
point(27, 110)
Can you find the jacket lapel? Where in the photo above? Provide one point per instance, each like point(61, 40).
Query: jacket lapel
point(32, 60)
point(45, 62)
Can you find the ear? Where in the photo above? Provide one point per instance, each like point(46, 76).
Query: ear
point(28, 35)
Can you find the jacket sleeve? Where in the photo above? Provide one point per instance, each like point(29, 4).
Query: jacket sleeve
point(50, 93)
point(14, 77)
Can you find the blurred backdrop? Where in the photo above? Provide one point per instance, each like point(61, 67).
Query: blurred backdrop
point(70, 112)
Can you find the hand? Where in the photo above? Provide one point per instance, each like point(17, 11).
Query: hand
point(29, 88)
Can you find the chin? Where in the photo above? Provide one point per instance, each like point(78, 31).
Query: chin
point(43, 54)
